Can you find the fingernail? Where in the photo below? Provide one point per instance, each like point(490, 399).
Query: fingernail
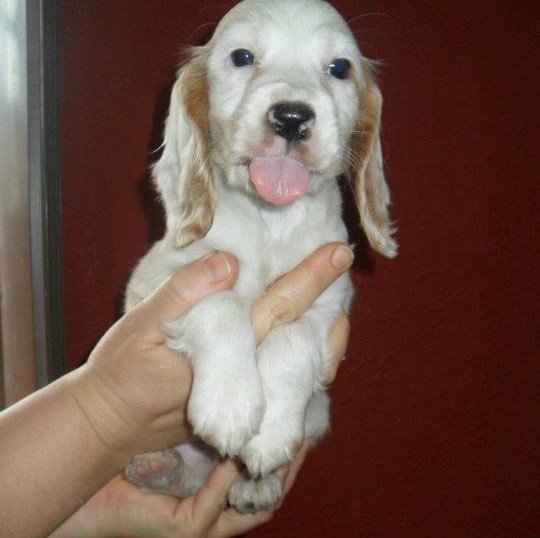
point(218, 266)
point(342, 258)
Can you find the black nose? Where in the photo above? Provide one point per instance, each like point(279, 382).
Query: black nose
point(291, 120)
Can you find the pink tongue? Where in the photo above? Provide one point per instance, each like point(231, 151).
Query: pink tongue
point(279, 180)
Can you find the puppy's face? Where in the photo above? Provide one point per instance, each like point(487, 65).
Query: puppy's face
point(277, 103)
point(283, 81)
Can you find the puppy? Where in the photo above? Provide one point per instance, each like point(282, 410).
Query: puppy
point(263, 120)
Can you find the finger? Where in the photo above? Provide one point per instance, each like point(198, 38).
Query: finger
point(182, 290)
point(232, 523)
point(210, 500)
point(295, 466)
point(292, 295)
point(283, 472)
point(337, 342)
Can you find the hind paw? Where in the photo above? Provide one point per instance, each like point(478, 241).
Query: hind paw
point(156, 471)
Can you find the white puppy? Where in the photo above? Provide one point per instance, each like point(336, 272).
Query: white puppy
point(263, 119)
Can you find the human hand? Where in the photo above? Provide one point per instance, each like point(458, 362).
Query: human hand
point(121, 509)
point(133, 388)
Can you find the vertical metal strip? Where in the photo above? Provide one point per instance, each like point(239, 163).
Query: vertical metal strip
point(53, 199)
point(36, 172)
point(44, 183)
point(31, 298)
point(15, 264)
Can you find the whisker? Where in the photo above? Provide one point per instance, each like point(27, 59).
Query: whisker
point(159, 148)
point(365, 15)
point(352, 156)
point(225, 5)
point(200, 27)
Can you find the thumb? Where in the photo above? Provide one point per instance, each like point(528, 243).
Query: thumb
point(209, 502)
point(185, 288)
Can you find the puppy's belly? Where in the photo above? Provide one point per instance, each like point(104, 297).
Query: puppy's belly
point(199, 462)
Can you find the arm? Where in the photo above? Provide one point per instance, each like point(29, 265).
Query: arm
point(293, 361)
point(52, 460)
point(63, 443)
point(121, 509)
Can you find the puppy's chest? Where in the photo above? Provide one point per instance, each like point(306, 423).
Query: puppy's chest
point(276, 255)
point(258, 271)
point(278, 260)
point(271, 242)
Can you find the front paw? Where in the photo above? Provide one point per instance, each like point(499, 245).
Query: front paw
point(226, 413)
point(249, 495)
point(268, 451)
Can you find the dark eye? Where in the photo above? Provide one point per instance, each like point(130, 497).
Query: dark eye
point(242, 57)
point(339, 68)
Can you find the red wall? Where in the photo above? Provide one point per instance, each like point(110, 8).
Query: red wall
point(433, 410)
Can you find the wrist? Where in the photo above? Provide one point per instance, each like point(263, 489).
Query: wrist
point(108, 419)
point(57, 456)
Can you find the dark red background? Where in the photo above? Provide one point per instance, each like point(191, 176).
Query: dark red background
point(433, 428)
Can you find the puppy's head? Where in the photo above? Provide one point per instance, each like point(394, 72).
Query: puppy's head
point(279, 102)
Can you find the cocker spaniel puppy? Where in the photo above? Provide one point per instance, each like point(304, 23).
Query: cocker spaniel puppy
point(263, 120)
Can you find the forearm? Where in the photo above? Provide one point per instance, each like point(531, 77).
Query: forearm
point(52, 459)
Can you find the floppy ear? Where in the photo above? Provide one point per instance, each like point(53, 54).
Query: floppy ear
point(183, 174)
point(372, 193)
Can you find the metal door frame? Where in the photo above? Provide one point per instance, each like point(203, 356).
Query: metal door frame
point(31, 313)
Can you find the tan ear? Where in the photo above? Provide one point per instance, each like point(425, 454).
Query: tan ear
point(372, 193)
point(183, 174)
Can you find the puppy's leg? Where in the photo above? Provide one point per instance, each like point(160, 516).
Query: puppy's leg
point(291, 365)
point(180, 471)
point(251, 495)
point(160, 472)
point(226, 402)
point(317, 416)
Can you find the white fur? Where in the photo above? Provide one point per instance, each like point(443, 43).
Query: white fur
point(260, 403)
